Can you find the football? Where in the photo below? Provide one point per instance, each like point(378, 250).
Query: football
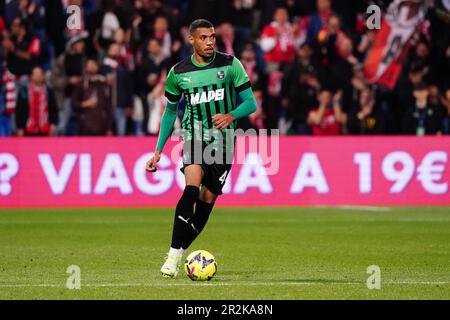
point(200, 265)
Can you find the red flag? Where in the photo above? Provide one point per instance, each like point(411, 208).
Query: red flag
point(384, 62)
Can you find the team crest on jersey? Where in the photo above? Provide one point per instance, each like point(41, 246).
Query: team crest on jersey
point(221, 75)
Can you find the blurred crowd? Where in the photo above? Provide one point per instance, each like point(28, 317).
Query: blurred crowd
point(103, 72)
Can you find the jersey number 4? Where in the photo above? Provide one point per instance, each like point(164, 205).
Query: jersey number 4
point(223, 177)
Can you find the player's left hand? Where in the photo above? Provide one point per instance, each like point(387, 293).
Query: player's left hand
point(222, 121)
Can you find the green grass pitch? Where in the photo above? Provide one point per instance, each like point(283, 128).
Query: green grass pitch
point(262, 253)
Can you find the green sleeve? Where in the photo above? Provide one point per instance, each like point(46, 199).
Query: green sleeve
point(172, 90)
point(167, 122)
point(241, 82)
point(239, 76)
point(247, 106)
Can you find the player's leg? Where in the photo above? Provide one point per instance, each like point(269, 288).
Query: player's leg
point(212, 184)
point(185, 207)
point(181, 229)
point(203, 208)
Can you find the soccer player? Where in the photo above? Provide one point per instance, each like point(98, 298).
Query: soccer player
point(210, 82)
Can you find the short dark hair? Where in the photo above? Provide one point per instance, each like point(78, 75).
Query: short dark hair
point(416, 68)
point(91, 58)
point(420, 86)
point(199, 23)
point(38, 67)
point(158, 41)
point(22, 23)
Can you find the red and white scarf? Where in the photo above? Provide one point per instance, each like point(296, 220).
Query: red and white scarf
point(10, 85)
point(113, 64)
point(38, 110)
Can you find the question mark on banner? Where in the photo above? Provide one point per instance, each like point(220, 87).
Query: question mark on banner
point(9, 166)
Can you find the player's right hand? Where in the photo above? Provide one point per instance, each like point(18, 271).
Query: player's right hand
point(151, 164)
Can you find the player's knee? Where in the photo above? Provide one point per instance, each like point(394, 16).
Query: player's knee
point(210, 199)
point(191, 192)
point(207, 196)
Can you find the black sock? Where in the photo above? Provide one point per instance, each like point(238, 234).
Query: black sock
point(183, 213)
point(198, 220)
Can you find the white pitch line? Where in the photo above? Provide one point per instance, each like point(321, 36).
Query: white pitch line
point(365, 208)
point(107, 285)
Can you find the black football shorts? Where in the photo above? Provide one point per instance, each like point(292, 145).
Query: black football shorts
point(215, 174)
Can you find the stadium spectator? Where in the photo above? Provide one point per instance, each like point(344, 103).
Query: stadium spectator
point(92, 102)
point(110, 22)
point(303, 62)
point(358, 84)
point(157, 104)
point(204, 9)
point(319, 19)
point(161, 33)
point(147, 13)
point(120, 81)
point(227, 41)
point(364, 44)
point(331, 32)
point(439, 100)
point(257, 118)
point(290, 41)
point(277, 39)
point(415, 76)
point(65, 76)
point(256, 75)
point(445, 100)
point(153, 65)
point(123, 9)
point(367, 119)
point(55, 22)
point(126, 54)
point(2, 27)
point(403, 95)
point(302, 98)
point(7, 99)
point(422, 118)
point(419, 57)
point(22, 49)
point(254, 70)
point(341, 69)
point(102, 25)
point(240, 14)
point(30, 11)
point(328, 118)
point(36, 110)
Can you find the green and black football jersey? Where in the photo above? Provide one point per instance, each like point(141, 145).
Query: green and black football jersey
point(207, 90)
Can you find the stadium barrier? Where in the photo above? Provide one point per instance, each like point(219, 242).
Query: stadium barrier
point(304, 171)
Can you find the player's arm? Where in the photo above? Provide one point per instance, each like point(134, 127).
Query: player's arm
point(243, 87)
point(173, 95)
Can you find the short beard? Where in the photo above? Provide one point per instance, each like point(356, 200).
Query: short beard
point(206, 58)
